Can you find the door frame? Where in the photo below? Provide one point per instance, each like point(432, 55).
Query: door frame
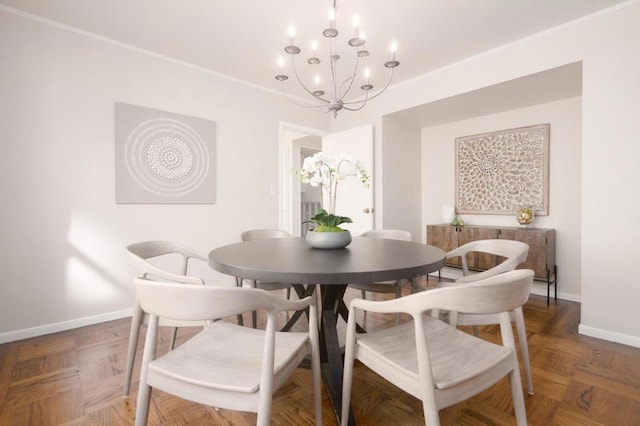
point(289, 184)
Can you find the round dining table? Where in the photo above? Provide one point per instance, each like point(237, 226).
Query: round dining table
point(292, 260)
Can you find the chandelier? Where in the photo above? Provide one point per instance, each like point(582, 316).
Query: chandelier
point(335, 100)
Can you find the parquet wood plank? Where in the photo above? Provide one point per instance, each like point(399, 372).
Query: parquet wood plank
point(45, 345)
point(53, 409)
point(8, 359)
point(41, 387)
point(570, 416)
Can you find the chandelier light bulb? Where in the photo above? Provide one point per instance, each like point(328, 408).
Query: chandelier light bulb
point(357, 40)
point(332, 17)
point(281, 77)
point(292, 49)
point(367, 86)
point(314, 46)
point(317, 93)
point(392, 63)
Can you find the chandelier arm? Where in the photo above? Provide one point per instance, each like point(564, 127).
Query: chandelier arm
point(351, 79)
point(364, 102)
point(355, 109)
point(377, 94)
point(293, 100)
point(295, 72)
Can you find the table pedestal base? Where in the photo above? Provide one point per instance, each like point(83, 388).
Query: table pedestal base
point(330, 351)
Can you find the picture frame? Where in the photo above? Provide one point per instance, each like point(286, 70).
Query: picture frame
point(163, 157)
point(499, 172)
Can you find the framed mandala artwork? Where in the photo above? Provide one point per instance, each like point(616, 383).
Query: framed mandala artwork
point(499, 172)
point(163, 157)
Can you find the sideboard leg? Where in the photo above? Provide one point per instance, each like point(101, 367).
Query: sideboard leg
point(548, 286)
point(554, 282)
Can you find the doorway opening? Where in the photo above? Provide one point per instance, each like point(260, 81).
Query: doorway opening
point(297, 202)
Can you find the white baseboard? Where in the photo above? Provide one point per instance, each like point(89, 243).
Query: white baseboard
point(611, 336)
point(540, 289)
point(12, 336)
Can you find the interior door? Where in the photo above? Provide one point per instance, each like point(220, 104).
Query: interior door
point(353, 199)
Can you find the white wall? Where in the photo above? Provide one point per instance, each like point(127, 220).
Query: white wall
point(610, 153)
point(401, 186)
point(607, 44)
point(438, 169)
point(63, 236)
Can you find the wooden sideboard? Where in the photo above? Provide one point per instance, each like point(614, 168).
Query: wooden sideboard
point(542, 247)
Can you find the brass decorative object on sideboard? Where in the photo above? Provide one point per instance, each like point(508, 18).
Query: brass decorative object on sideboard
point(542, 248)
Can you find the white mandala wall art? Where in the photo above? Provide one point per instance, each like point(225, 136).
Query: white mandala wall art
point(162, 157)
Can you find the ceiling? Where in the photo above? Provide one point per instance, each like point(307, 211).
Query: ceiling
point(243, 38)
point(547, 86)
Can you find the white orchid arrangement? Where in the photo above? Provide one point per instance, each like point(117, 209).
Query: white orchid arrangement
point(327, 171)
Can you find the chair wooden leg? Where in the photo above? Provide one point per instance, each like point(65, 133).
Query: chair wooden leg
point(516, 393)
point(254, 314)
point(514, 377)
point(144, 391)
point(452, 317)
point(431, 415)
point(316, 373)
point(524, 347)
point(174, 335)
point(347, 376)
point(398, 294)
point(364, 296)
point(136, 322)
point(239, 284)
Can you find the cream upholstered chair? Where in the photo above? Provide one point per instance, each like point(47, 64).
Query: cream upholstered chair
point(394, 287)
point(433, 361)
point(226, 365)
point(261, 234)
point(139, 256)
point(514, 254)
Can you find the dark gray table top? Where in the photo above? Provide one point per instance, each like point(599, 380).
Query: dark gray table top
point(292, 260)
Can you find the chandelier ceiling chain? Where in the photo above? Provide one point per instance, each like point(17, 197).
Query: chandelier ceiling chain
point(335, 100)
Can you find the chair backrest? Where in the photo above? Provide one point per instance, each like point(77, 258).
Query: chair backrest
point(199, 302)
point(391, 234)
point(140, 253)
point(496, 294)
point(514, 252)
point(262, 234)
